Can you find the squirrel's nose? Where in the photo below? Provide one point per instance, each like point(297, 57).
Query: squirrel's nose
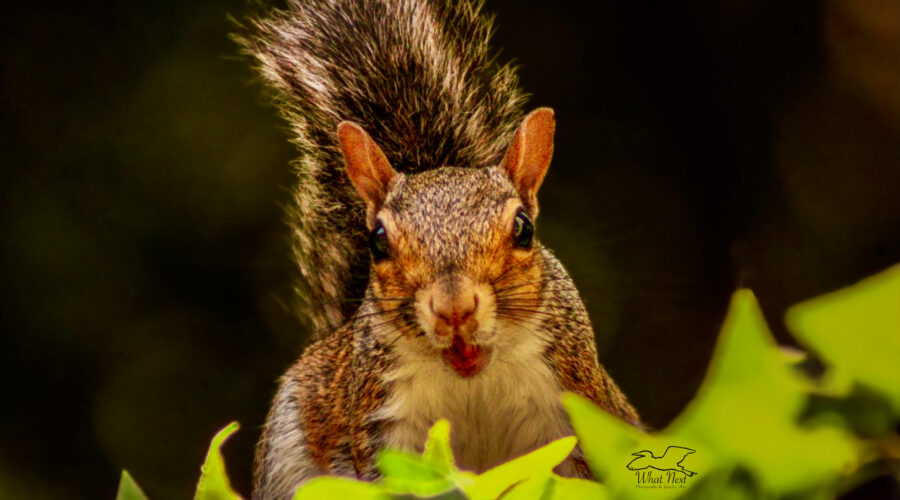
point(454, 310)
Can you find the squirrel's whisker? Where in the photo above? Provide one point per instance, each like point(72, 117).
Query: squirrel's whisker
point(396, 317)
point(542, 309)
point(506, 272)
point(521, 321)
point(333, 328)
point(531, 282)
point(532, 304)
point(543, 316)
point(365, 299)
point(403, 331)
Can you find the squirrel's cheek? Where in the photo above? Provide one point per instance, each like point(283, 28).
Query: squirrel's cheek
point(387, 275)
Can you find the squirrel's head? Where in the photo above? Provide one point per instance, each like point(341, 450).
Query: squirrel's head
point(456, 269)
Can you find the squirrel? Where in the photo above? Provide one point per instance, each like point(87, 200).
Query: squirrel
point(412, 225)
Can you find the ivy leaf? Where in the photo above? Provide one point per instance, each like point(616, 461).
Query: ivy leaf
point(552, 487)
point(129, 489)
point(214, 484)
point(432, 473)
point(537, 464)
point(562, 488)
point(404, 472)
point(327, 488)
point(747, 412)
point(742, 426)
point(856, 332)
point(539, 486)
point(437, 448)
point(608, 445)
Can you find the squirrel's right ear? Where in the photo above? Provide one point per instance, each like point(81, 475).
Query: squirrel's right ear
point(368, 168)
point(529, 154)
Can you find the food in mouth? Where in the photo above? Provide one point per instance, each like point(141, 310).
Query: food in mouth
point(465, 359)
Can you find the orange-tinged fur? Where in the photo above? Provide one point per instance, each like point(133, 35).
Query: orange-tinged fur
point(463, 314)
point(380, 380)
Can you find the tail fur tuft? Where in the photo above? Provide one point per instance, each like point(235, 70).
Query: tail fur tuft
point(418, 75)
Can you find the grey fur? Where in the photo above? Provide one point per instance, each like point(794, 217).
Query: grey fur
point(278, 480)
point(418, 75)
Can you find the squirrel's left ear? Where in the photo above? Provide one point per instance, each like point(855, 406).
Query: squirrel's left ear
point(368, 168)
point(529, 154)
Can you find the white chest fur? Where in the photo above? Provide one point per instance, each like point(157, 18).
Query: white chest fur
point(508, 409)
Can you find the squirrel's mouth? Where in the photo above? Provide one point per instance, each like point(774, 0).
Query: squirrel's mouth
point(466, 359)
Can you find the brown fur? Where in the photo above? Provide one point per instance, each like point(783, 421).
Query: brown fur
point(339, 383)
point(416, 75)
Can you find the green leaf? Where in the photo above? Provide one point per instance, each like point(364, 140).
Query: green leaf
point(437, 447)
point(214, 484)
point(606, 441)
point(856, 331)
point(327, 488)
point(404, 472)
point(743, 426)
point(747, 412)
point(430, 474)
point(536, 464)
point(128, 488)
point(549, 486)
point(434, 473)
point(563, 488)
point(608, 444)
point(534, 487)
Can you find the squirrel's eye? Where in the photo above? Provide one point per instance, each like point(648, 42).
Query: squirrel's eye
point(522, 230)
point(378, 242)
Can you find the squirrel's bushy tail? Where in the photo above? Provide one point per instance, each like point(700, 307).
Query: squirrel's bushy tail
point(418, 75)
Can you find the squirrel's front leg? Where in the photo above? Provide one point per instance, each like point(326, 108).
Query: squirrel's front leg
point(307, 431)
point(282, 457)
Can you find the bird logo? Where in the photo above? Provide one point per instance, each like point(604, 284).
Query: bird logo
point(670, 460)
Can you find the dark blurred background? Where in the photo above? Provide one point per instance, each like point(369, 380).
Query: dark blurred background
point(701, 146)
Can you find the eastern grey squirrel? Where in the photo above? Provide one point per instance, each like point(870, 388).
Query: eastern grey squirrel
point(413, 229)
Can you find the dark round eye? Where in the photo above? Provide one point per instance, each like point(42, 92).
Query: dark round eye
point(378, 242)
point(523, 231)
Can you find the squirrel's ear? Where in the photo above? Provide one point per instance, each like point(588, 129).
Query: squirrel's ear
point(367, 167)
point(528, 156)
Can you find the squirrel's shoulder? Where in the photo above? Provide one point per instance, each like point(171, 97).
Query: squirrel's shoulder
point(336, 382)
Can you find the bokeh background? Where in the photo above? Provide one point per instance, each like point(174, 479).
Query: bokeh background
point(701, 145)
